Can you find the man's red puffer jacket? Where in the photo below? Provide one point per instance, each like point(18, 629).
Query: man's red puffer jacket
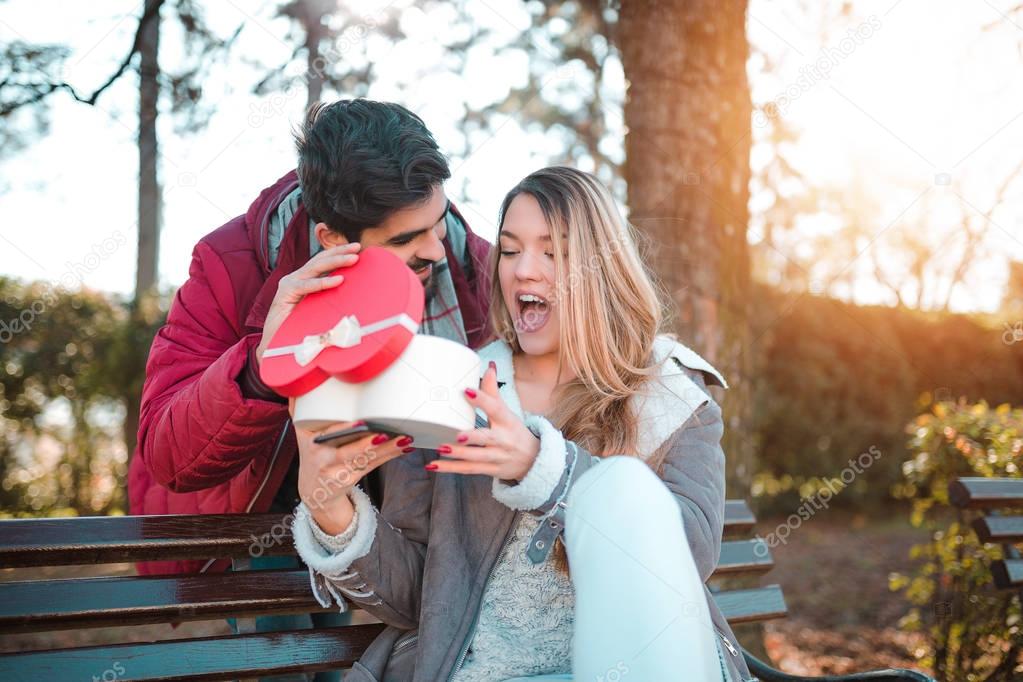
point(203, 447)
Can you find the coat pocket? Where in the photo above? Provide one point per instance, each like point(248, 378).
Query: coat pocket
point(402, 662)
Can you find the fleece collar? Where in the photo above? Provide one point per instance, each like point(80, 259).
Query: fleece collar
point(665, 403)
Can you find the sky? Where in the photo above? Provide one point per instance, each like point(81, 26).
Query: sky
point(929, 104)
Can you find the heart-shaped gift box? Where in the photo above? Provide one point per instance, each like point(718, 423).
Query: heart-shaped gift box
point(352, 332)
point(351, 352)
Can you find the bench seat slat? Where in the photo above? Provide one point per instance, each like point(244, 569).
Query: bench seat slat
point(26, 543)
point(38, 605)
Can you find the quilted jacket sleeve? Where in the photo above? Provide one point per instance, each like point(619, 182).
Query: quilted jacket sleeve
point(196, 429)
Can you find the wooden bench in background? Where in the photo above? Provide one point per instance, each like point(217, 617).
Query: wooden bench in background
point(993, 496)
point(100, 602)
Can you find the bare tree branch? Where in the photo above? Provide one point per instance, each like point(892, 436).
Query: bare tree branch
point(974, 236)
point(46, 89)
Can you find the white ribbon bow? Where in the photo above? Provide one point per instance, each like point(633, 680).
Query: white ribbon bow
point(345, 334)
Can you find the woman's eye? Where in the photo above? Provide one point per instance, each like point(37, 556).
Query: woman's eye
point(549, 255)
point(508, 253)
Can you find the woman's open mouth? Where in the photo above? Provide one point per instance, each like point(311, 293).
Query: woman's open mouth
point(534, 311)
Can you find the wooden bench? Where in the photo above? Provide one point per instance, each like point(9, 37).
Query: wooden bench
point(997, 499)
point(99, 602)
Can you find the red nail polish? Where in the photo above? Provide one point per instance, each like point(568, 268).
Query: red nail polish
point(493, 365)
point(405, 451)
point(462, 438)
point(444, 449)
point(359, 423)
point(471, 393)
point(403, 441)
point(380, 438)
point(430, 467)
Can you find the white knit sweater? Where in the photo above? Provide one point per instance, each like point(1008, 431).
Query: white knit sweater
point(526, 616)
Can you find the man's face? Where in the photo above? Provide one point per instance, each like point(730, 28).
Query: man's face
point(413, 234)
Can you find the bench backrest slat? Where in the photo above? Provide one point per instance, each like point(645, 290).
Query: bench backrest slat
point(206, 658)
point(1004, 529)
point(986, 493)
point(115, 539)
point(111, 539)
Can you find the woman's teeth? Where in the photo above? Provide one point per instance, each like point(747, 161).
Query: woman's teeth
point(534, 312)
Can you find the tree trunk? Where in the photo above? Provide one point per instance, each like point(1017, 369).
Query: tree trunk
point(149, 183)
point(150, 203)
point(314, 64)
point(688, 116)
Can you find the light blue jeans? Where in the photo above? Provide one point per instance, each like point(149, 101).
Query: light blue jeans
point(641, 611)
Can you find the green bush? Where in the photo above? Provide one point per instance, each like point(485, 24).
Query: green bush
point(71, 367)
point(834, 380)
point(973, 630)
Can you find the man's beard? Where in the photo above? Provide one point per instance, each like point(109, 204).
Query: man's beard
point(430, 283)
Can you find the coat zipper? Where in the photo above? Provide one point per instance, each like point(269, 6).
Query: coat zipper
point(728, 643)
point(490, 574)
point(270, 467)
point(405, 641)
point(269, 470)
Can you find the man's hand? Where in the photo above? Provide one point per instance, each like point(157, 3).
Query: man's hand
point(306, 280)
point(326, 473)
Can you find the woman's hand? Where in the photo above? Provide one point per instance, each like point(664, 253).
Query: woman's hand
point(327, 473)
point(506, 450)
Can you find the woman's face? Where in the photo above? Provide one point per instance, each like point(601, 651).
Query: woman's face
point(527, 277)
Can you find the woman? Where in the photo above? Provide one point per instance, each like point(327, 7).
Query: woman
point(585, 403)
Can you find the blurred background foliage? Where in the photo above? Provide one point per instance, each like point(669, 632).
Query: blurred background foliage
point(836, 379)
point(73, 360)
point(974, 632)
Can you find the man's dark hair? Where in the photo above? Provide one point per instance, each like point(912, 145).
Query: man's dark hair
point(360, 160)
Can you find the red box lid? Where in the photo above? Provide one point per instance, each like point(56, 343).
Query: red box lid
point(353, 331)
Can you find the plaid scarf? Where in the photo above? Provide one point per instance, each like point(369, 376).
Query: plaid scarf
point(442, 316)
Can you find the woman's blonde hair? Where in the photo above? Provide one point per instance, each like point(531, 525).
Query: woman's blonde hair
point(609, 308)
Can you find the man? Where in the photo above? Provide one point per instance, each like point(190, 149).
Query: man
point(212, 437)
